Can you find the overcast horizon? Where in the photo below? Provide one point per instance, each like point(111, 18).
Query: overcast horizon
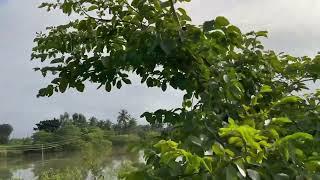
point(292, 26)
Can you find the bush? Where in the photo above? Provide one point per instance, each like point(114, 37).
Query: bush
point(42, 137)
point(124, 140)
point(62, 174)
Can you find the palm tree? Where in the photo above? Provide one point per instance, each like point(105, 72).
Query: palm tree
point(123, 120)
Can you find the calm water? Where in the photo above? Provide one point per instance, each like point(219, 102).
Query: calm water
point(88, 166)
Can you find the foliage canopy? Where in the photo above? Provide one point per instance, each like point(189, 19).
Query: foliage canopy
point(241, 116)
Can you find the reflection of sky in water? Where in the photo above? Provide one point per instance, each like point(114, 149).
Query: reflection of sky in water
point(23, 173)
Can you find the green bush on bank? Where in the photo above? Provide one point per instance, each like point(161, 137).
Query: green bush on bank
point(125, 139)
point(62, 174)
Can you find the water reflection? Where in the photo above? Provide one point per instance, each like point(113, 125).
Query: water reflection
point(85, 165)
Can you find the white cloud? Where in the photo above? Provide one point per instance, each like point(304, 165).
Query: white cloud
point(292, 24)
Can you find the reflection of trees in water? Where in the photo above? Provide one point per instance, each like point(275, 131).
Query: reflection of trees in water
point(61, 164)
point(5, 174)
point(82, 165)
point(10, 165)
point(79, 165)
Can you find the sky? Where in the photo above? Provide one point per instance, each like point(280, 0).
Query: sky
point(293, 27)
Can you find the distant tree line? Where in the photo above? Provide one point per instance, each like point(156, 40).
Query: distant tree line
point(124, 124)
point(77, 132)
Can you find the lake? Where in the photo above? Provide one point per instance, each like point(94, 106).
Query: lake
point(89, 165)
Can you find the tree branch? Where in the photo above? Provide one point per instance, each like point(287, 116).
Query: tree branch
point(301, 80)
point(101, 19)
point(176, 18)
point(91, 17)
point(131, 7)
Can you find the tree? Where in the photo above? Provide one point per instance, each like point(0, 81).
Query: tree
point(246, 110)
point(79, 120)
point(5, 132)
point(132, 126)
point(132, 123)
point(43, 137)
point(123, 120)
point(71, 135)
point(105, 125)
point(93, 121)
point(48, 125)
point(64, 117)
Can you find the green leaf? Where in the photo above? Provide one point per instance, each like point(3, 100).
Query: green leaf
point(166, 146)
point(241, 169)
point(262, 33)
point(254, 175)
point(136, 3)
point(119, 84)
point(164, 86)
point(281, 176)
point(266, 89)
point(226, 78)
point(221, 21)
point(234, 29)
point(168, 45)
point(149, 82)
point(296, 136)
point(165, 4)
point(63, 85)
point(157, 5)
point(67, 8)
point(195, 140)
point(184, 15)
point(231, 173)
point(80, 87)
point(281, 120)
point(187, 103)
point(276, 64)
point(229, 152)
point(208, 26)
point(207, 162)
point(250, 135)
point(57, 60)
point(235, 140)
point(42, 5)
point(93, 7)
point(193, 164)
point(127, 81)
point(218, 149)
point(274, 134)
point(108, 87)
point(182, 11)
point(288, 99)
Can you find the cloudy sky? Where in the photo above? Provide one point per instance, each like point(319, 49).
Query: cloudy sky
point(293, 25)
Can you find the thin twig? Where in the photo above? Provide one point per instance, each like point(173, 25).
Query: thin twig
point(176, 18)
point(101, 19)
point(96, 18)
point(131, 7)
